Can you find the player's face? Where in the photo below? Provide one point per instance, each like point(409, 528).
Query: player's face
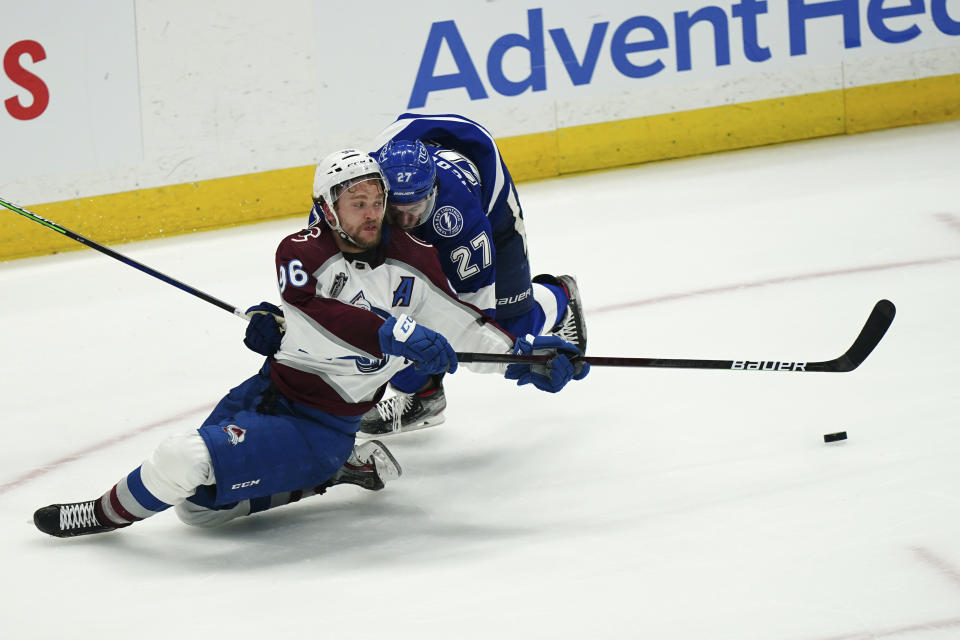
point(407, 216)
point(361, 209)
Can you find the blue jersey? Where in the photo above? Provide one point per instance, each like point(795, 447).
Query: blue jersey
point(477, 223)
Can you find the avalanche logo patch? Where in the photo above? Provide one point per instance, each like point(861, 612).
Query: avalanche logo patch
point(235, 433)
point(360, 301)
point(448, 221)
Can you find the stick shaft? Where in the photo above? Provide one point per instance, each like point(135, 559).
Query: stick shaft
point(870, 335)
point(873, 330)
point(122, 258)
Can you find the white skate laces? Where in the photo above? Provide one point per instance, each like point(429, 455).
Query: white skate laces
point(74, 516)
point(568, 328)
point(391, 410)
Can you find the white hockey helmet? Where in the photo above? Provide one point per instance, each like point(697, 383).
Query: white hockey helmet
point(341, 170)
point(335, 174)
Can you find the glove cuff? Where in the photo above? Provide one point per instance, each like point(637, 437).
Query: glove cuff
point(403, 328)
point(524, 346)
point(394, 332)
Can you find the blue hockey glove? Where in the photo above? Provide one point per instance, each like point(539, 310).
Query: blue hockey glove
point(429, 351)
point(263, 331)
point(558, 370)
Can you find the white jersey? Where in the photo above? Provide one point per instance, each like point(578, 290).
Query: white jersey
point(335, 303)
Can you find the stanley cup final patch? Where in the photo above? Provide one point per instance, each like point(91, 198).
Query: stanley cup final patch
point(338, 284)
point(448, 221)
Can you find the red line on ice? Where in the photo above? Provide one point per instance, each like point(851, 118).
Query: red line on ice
point(950, 220)
point(772, 281)
point(938, 563)
point(949, 623)
point(39, 471)
point(52, 466)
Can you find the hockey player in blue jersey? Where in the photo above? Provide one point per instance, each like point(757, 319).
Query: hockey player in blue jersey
point(450, 187)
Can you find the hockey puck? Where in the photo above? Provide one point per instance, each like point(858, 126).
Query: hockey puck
point(835, 437)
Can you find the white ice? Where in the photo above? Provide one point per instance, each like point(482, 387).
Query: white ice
point(639, 503)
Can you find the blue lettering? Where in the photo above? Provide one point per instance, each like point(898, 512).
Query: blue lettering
point(403, 293)
point(942, 19)
point(580, 73)
point(889, 24)
point(426, 82)
point(537, 80)
point(877, 14)
point(619, 48)
point(747, 11)
point(683, 21)
point(800, 12)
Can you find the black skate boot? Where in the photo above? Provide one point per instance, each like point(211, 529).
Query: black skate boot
point(370, 465)
point(405, 412)
point(571, 326)
point(69, 520)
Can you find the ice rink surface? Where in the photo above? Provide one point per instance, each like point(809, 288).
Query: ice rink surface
point(639, 503)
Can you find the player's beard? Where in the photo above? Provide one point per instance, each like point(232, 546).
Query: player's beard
point(364, 238)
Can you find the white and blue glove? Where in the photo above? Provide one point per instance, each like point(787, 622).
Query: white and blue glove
point(429, 351)
point(553, 375)
point(264, 334)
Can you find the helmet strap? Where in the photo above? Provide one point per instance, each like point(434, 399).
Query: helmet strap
point(335, 226)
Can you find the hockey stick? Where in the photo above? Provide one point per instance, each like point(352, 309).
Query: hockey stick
point(873, 330)
point(122, 258)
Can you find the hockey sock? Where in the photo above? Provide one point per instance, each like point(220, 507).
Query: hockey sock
point(127, 502)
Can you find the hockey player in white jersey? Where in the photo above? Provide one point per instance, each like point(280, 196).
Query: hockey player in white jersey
point(362, 300)
point(450, 187)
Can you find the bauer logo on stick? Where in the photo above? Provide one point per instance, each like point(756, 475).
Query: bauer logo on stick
point(768, 365)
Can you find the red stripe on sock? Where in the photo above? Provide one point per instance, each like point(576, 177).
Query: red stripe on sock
point(102, 516)
point(118, 508)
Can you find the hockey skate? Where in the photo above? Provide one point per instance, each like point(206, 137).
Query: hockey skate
point(370, 466)
point(405, 412)
point(69, 520)
point(571, 326)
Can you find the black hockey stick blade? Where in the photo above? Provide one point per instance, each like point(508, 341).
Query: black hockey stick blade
point(873, 331)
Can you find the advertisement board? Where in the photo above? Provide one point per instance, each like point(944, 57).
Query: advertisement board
point(130, 119)
point(533, 67)
point(69, 87)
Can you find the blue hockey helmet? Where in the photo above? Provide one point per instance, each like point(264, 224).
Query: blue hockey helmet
point(412, 175)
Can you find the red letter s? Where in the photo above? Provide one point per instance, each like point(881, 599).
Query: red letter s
point(30, 82)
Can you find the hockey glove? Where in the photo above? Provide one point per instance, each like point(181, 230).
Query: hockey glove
point(264, 331)
point(429, 351)
point(556, 372)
